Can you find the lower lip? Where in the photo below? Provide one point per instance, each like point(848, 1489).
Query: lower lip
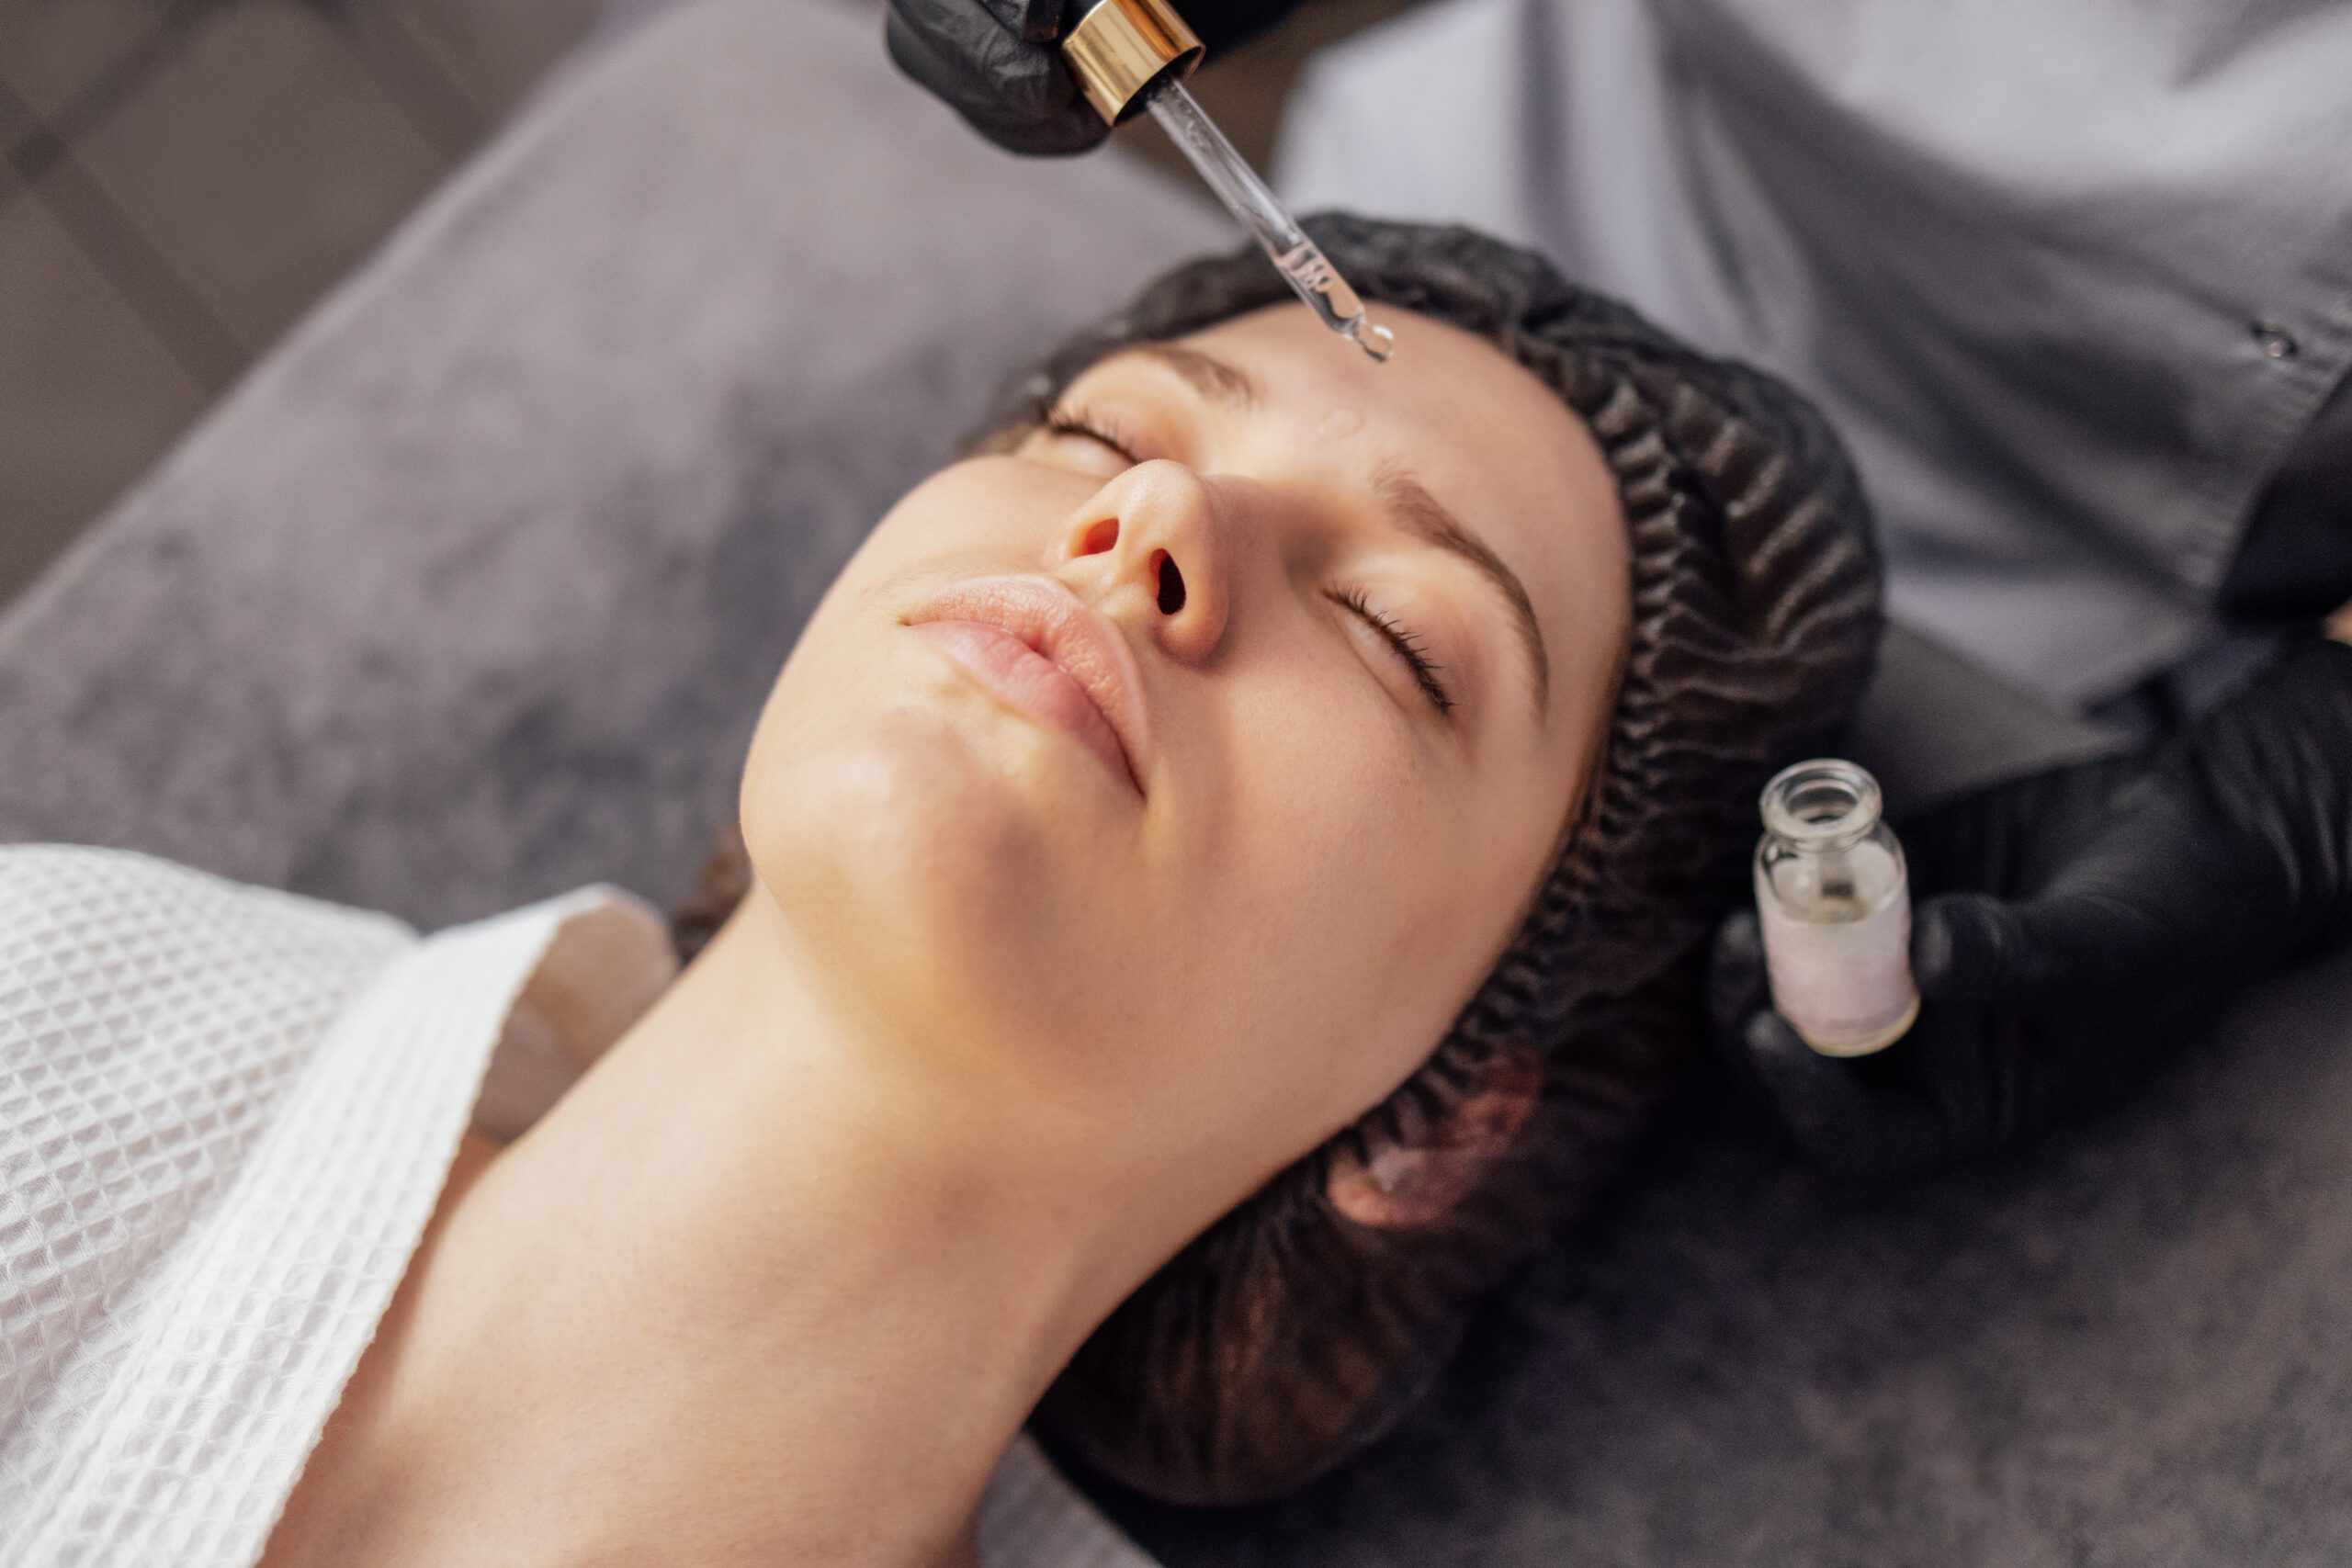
point(1031, 683)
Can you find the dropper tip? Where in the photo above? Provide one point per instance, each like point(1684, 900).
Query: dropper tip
point(1373, 338)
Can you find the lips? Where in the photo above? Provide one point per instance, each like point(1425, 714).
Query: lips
point(1031, 642)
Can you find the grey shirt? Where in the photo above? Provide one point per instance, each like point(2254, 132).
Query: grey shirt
point(2072, 279)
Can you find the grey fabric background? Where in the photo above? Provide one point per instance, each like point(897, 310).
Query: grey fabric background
point(471, 592)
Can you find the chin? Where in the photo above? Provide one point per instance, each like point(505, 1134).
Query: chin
point(931, 859)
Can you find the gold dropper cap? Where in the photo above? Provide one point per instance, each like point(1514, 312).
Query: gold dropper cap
point(1121, 49)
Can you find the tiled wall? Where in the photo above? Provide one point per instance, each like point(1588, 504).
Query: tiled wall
point(180, 179)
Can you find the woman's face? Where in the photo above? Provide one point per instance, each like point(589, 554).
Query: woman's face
point(1194, 761)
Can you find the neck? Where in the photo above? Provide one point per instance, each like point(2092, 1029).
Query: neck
point(754, 1290)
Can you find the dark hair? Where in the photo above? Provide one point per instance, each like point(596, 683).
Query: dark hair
point(1286, 1335)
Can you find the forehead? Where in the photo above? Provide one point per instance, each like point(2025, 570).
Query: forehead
point(1457, 389)
point(1496, 444)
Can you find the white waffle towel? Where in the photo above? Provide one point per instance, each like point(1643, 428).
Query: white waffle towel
point(225, 1117)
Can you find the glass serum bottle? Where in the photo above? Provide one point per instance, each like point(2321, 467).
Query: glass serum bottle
point(1835, 905)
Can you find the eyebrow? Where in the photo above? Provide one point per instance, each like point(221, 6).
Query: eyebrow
point(1425, 517)
point(1214, 378)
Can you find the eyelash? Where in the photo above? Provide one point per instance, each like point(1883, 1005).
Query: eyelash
point(1407, 647)
point(1066, 421)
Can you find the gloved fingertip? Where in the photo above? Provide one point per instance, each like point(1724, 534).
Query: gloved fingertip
point(911, 52)
point(1967, 947)
point(1839, 1123)
point(1739, 939)
point(1039, 20)
point(1777, 1047)
point(1808, 1089)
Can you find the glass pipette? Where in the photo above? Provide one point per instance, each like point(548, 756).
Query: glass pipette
point(1300, 260)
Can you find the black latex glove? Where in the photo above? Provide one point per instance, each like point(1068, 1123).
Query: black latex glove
point(996, 63)
point(2069, 925)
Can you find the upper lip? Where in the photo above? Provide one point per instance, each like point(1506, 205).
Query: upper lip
point(1044, 613)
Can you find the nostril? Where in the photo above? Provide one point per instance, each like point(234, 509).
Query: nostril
point(1100, 537)
point(1172, 585)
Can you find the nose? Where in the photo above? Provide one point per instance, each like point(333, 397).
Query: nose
point(1155, 544)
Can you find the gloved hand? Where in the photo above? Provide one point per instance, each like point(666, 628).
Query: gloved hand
point(2069, 925)
point(996, 63)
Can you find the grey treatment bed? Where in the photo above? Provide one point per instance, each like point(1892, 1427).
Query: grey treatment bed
point(469, 592)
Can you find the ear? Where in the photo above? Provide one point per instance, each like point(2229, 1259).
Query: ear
point(1417, 1181)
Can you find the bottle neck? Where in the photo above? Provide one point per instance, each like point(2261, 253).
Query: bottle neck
point(1823, 807)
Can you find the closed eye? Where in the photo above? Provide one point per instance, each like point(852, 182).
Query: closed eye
point(1087, 427)
point(1408, 646)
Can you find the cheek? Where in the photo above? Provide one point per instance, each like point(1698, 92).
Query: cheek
point(983, 504)
point(1347, 906)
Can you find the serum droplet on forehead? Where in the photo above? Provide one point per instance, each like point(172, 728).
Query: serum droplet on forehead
point(1340, 424)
